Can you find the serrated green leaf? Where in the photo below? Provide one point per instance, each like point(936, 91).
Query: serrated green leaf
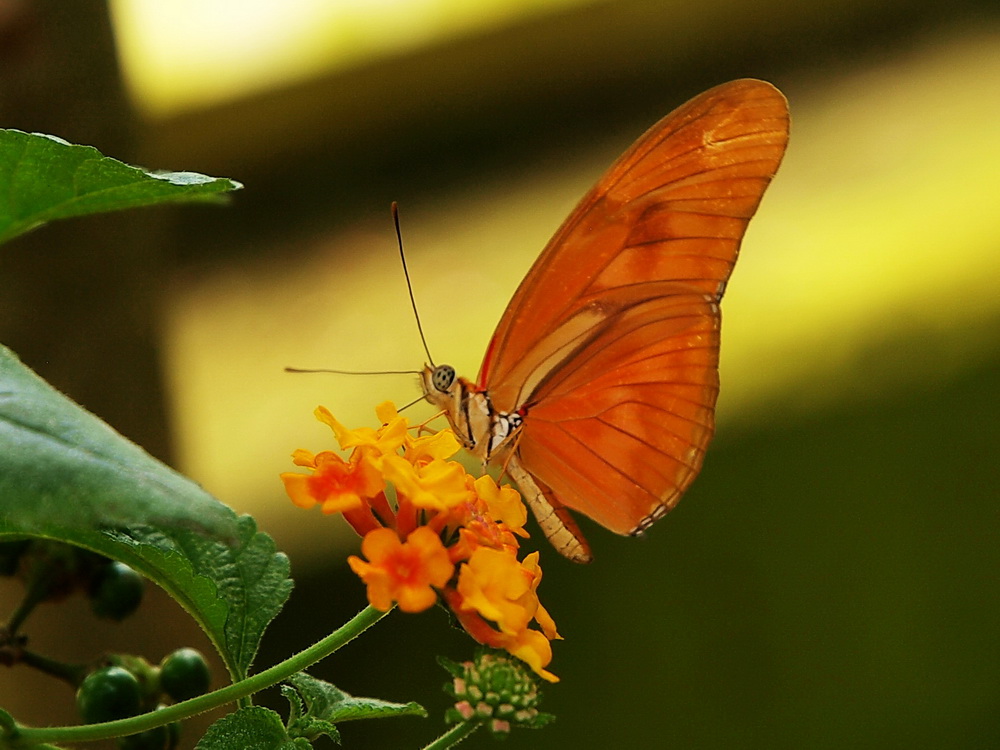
point(251, 728)
point(316, 706)
point(301, 724)
point(43, 178)
point(66, 475)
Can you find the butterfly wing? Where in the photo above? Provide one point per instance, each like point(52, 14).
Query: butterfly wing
point(609, 348)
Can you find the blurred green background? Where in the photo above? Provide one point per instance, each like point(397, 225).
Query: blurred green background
point(831, 578)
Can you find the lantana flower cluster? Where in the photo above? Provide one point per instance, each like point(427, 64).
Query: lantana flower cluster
point(447, 535)
point(496, 691)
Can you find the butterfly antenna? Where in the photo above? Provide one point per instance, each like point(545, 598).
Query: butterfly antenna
point(409, 286)
point(414, 402)
point(355, 372)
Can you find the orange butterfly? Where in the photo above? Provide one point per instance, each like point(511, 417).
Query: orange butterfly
point(597, 391)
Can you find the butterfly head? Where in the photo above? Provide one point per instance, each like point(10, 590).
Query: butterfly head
point(439, 384)
point(442, 377)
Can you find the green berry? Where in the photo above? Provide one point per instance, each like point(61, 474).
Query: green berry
point(147, 675)
point(107, 694)
point(184, 674)
point(117, 592)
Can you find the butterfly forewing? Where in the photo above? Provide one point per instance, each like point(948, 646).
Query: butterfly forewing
point(694, 179)
point(609, 348)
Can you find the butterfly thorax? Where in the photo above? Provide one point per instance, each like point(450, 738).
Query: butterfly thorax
point(484, 431)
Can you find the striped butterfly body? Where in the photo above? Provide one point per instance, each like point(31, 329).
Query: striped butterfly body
point(597, 392)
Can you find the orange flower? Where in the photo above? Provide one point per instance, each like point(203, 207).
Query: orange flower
point(476, 524)
point(404, 572)
point(494, 596)
point(337, 484)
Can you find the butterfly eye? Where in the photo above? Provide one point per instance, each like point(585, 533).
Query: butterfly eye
point(443, 377)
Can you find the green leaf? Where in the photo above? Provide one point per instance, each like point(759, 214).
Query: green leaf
point(66, 475)
point(7, 723)
point(316, 706)
point(251, 728)
point(301, 723)
point(43, 178)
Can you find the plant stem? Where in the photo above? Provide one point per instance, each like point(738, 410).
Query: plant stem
point(71, 673)
point(37, 589)
point(454, 735)
point(26, 736)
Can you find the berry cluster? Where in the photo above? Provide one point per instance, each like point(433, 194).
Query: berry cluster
point(116, 686)
point(124, 686)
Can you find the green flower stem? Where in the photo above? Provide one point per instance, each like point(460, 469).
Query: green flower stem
point(27, 736)
point(38, 588)
point(454, 735)
point(71, 673)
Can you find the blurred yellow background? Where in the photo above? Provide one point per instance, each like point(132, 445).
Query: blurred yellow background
point(831, 580)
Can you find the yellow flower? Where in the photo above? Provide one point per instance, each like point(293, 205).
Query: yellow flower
point(504, 504)
point(533, 649)
point(530, 565)
point(437, 445)
point(493, 584)
point(384, 441)
point(405, 572)
point(387, 412)
point(436, 485)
